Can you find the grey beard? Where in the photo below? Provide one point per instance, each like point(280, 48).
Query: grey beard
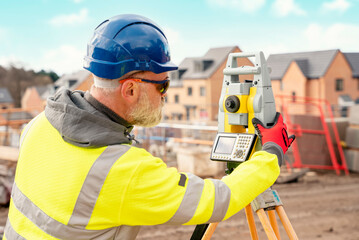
point(144, 115)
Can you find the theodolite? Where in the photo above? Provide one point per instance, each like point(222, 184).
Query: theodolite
point(237, 140)
point(239, 103)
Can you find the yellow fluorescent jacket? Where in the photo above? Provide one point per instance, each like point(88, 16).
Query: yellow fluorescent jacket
point(62, 191)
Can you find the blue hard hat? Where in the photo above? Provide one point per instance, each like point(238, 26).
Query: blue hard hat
point(126, 43)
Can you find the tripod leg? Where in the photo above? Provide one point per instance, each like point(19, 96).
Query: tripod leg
point(199, 231)
point(266, 224)
point(251, 224)
point(286, 223)
point(209, 232)
point(273, 223)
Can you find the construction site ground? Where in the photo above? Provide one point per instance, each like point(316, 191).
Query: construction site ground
point(320, 205)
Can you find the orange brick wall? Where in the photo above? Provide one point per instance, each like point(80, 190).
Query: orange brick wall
point(6, 105)
point(313, 88)
point(86, 84)
point(276, 87)
point(171, 107)
point(294, 81)
point(32, 102)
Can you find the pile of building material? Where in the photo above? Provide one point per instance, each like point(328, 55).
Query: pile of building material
point(196, 159)
point(8, 162)
point(352, 140)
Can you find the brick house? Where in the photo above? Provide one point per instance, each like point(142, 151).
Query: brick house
point(80, 80)
point(34, 98)
point(319, 74)
point(196, 86)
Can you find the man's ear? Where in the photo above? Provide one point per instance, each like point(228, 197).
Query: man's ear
point(130, 91)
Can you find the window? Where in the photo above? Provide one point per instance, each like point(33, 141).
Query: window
point(176, 98)
point(189, 91)
point(203, 114)
point(198, 66)
point(339, 85)
point(202, 91)
point(174, 75)
point(72, 82)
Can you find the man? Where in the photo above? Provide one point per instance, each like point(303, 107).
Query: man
point(78, 177)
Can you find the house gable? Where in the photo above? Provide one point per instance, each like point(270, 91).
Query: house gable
point(294, 81)
point(338, 80)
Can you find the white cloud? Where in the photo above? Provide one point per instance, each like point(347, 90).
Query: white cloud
point(11, 60)
point(336, 5)
point(65, 59)
point(78, 1)
point(172, 35)
point(70, 19)
point(174, 40)
point(283, 8)
point(339, 35)
point(249, 6)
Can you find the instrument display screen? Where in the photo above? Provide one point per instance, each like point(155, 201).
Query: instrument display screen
point(225, 145)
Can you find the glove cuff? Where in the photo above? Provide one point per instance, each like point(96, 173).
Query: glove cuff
point(274, 148)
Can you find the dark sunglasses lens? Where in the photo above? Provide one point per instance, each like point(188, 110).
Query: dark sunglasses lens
point(164, 87)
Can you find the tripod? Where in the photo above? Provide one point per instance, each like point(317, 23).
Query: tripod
point(267, 201)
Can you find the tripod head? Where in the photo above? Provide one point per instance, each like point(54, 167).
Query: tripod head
point(239, 103)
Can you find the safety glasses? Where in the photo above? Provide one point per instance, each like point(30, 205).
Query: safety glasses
point(162, 85)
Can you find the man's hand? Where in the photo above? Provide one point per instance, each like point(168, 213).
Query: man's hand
point(276, 134)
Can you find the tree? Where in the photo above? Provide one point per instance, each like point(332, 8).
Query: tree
point(16, 80)
point(51, 74)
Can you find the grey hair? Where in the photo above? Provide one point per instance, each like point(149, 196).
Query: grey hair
point(111, 84)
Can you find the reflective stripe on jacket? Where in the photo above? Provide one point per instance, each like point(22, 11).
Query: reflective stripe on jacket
point(62, 191)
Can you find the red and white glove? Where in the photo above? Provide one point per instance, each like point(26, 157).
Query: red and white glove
point(274, 136)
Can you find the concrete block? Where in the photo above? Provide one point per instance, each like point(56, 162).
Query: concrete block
point(352, 159)
point(341, 124)
point(196, 160)
point(354, 115)
point(9, 153)
point(313, 148)
point(352, 137)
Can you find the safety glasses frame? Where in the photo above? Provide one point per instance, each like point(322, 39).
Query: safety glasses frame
point(163, 85)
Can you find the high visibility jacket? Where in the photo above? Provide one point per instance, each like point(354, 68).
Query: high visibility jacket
point(63, 191)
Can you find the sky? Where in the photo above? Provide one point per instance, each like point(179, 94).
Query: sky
point(53, 34)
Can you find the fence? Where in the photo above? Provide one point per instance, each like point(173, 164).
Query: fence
point(310, 123)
